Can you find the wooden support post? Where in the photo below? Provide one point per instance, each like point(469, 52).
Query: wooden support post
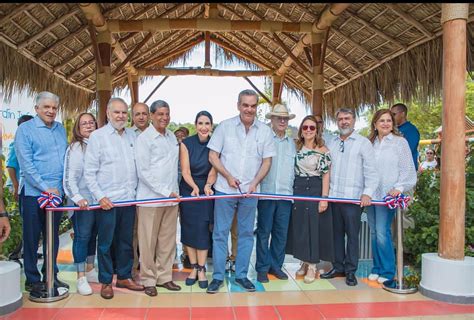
point(207, 51)
point(277, 86)
point(318, 80)
point(104, 80)
point(133, 87)
point(453, 180)
point(258, 91)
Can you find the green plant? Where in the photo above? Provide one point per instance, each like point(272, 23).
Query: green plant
point(425, 212)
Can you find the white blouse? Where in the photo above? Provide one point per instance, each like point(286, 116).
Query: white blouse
point(394, 165)
point(74, 183)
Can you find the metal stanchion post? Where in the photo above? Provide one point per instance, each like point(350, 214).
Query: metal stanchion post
point(397, 286)
point(50, 294)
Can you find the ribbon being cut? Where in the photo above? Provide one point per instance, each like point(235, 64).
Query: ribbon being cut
point(51, 201)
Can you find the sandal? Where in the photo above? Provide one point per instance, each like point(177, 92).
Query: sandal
point(202, 283)
point(191, 281)
point(151, 291)
point(303, 269)
point(311, 274)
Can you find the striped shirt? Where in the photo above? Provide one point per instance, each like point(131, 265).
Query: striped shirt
point(353, 170)
point(109, 165)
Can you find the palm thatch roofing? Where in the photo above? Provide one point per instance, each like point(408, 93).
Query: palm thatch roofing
point(375, 51)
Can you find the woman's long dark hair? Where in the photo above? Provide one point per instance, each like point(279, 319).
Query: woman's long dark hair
point(76, 134)
point(318, 140)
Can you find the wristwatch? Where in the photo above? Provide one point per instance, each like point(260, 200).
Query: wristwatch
point(4, 214)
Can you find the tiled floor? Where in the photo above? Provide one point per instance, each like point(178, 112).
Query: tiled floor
point(278, 299)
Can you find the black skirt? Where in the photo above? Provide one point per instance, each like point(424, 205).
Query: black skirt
point(310, 233)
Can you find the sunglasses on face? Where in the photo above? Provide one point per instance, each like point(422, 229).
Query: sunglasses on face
point(310, 128)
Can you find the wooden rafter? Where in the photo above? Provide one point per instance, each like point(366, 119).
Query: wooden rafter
point(405, 16)
point(133, 53)
point(289, 53)
point(203, 72)
point(95, 46)
point(374, 29)
point(156, 88)
point(211, 24)
point(15, 12)
point(258, 91)
point(48, 28)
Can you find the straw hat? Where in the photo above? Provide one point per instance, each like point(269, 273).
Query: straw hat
point(280, 110)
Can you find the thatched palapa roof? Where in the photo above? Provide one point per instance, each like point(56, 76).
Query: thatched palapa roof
point(374, 51)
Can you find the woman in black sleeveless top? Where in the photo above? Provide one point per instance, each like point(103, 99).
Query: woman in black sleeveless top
point(198, 176)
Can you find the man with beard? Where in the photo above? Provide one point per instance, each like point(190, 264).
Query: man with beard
point(111, 175)
point(241, 150)
point(354, 176)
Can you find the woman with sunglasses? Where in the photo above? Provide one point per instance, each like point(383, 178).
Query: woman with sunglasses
point(430, 162)
point(310, 236)
point(83, 221)
point(397, 174)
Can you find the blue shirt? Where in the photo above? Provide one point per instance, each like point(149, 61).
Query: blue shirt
point(280, 178)
point(40, 151)
point(411, 133)
point(12, 162)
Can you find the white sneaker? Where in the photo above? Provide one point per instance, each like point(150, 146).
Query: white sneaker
point(92, 276)
point(373, 276)
point(83, 286)
point(381, 280)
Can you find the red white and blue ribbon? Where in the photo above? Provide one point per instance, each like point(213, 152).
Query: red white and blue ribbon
point(47, 199)
point(401, 200)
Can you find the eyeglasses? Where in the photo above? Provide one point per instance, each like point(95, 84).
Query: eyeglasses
point(85, 123)
point(311, 128)
point(430, 152)
point(341, 146)
point(282, 119)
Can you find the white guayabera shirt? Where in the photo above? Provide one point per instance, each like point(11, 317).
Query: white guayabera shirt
point(109, 166)
point(241, 153)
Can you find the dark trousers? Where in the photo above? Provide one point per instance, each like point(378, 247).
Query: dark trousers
point(34, 226)
point(272, 219)
point(346, 221)
point(115, 225)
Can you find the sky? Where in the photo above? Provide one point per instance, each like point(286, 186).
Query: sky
point(187, 95)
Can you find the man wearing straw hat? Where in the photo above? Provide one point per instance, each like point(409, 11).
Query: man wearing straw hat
point(111, 176)
point(274, 215)
point(241, 150)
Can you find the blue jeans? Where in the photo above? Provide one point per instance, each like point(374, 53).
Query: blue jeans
point(85, 234)
point(34, 225)
point(223, 215)
point(115, 225)
point(380, 221)
point(273, 219)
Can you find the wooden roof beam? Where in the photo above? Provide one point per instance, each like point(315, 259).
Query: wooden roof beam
point(133, 53)
point(92, 12)
point(16, 11)
point(48, 28)
point(405, 16)
point(203, 72)
point(289, 53)
point(211, 24)
point(327, 17)
point(258, 91)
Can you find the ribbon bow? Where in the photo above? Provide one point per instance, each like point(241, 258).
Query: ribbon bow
point(47, 199)
point(399, 201)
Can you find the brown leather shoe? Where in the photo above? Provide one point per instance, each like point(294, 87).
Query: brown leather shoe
point(170, 285)
point(129, 284)
point(106, 291)
point(151, 291)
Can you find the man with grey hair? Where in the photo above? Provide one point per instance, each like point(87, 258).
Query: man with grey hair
point(111, 175)
point(354, 176)
point(241, 150)
point(40, 145)
point(156, 153)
